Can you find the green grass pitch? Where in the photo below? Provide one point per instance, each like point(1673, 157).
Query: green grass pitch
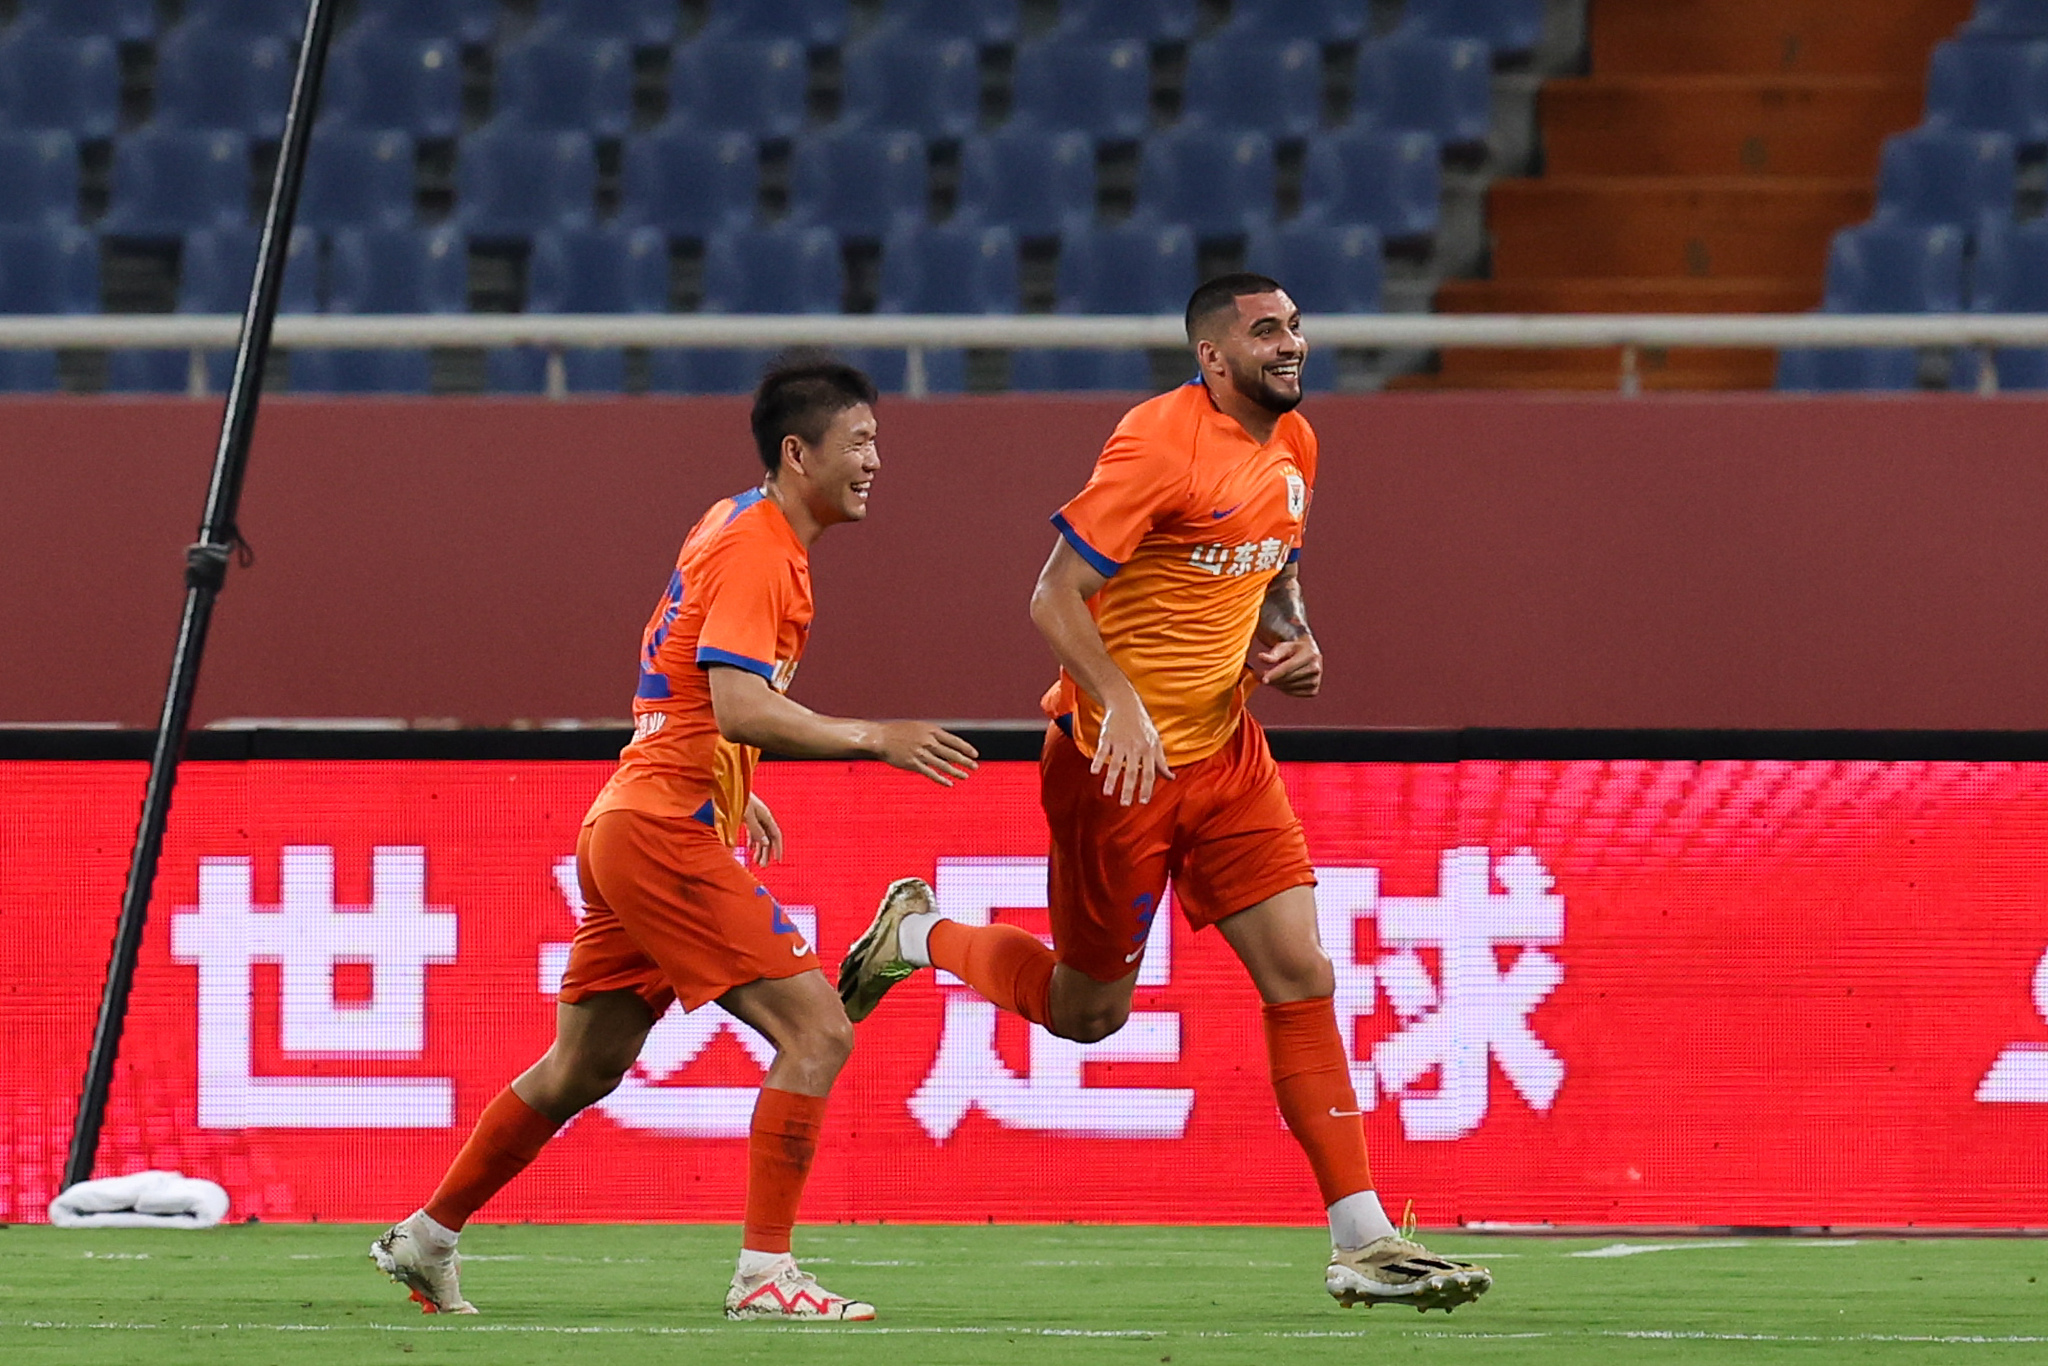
point(640, 1293)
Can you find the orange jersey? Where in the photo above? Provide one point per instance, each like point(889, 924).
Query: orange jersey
point(1191, 520)
point(740, 596)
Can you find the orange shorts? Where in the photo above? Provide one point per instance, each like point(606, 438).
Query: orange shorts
point(1222, 829)
point(671, 915)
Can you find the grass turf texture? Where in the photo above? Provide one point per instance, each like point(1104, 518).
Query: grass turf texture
point(639, 1293)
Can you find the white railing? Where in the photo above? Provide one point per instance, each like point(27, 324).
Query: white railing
point(916, 334)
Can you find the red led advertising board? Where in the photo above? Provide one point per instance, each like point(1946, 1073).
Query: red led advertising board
point(1587, 992)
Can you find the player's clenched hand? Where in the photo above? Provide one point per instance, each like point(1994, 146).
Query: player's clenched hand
point(764, 836)
point(1129, 754)
point(920, 747)
point(1295, 667)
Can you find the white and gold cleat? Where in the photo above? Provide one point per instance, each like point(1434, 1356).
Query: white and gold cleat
point(1398, 1270)
point(876, 962)
point(429, 1271)
point(787, 1292)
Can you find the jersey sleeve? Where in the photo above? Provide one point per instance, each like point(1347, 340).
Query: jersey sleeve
point(1137, 484)
point(1310, 452)
point(746, 596)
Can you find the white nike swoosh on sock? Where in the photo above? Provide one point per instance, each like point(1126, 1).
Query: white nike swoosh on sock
point(1335, 1113)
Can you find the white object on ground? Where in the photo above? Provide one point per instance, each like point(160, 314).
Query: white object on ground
point(144, 1200)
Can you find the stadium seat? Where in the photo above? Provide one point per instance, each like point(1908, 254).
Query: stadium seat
point(1508, 27)
point(2011, 276)
point(1040, 183)
point(1148, 21)
point(689, 183)
point(986, 22)
point(756, 86)
point(1945, 175)
point(814, 23)
point(1101, 89)
point(385, 270)
point(570, 84)
point(1219, 184)
point(512, 181)
point(1275, 88)
point(257, 18)
point(38, 179)
point(1847, 369)
point(51, 80)
point(215, 271)
point(585, 270)
point(956, 267)
point(1041, 370)
point(1392, 181)
point(166, 182)
point(356, 178)
point(1325, 269)
point(463, 21)
point(927, 86)
point(945, 371)
point(783, 268)
point(1991, 88)
point(859, 183)
point(2009, 19)
point(1895, 267)
point(643, 23)
point(1137, 266)
point(210, 79)
point(1442, 86)
point(1319, 21)
point(380, 79)
point(122, 21)
point(44, 270)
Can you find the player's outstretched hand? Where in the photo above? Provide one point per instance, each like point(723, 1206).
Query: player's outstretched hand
point(764, 836)
point(1129, 754)
point(1295, 666)
point(921, 747)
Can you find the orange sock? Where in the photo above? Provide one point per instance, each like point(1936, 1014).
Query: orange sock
point(1312, 1079)
point(1007, 965)
point(508, 1136)
point(780, 1146)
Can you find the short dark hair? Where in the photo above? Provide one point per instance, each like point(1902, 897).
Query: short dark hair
point(1222, 292)
point(799, 395)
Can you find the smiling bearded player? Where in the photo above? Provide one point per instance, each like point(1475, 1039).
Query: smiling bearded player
point(671, 915)
point(1172, 564)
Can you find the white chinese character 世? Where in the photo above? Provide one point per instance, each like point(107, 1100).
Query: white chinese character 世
point(397, 935)
point(641, 1101)
point(1474, 1011)
point(969, 1073)
point(1272, 553)
point(2020, 1073)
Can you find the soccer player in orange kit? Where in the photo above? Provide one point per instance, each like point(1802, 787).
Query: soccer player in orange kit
point(671, 915)
point(1174, 566)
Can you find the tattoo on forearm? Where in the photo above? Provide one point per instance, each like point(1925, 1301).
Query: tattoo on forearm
point(1282, 616)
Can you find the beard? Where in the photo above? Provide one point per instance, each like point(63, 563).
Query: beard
point(1251, 381)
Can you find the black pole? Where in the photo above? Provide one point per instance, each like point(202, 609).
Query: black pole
point(206, 570)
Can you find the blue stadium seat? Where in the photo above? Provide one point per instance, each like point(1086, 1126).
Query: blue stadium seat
point(690, 183)
point(380, 79)
point(1102, 89)
point(928, 86)
point(987, 22)
point(1944, 175)
point(209, 79)
point(385, 270)
point(749, 85)
point(1148, 21)
point(2011, 276)
point(1848, 369)
point(357, 178)
point(38, 179)
point(859, 183)
point(1991, 88)
point(50, 80)
point(1880, 267)
point(1137, 266)
point(1505, 26)
point(783, 268)
point(215, 272)
point(123, 21)
point(814, 23)
point(1390, 180)
point(1319, 21)
point(644, 23)
point(1275, 88)
point(44, 270)
point(945, 371)
point(512, 181)
point(2009, 19)
point(571, 84)
point(1041, 370)
point(585, 270)
point(264, 18)
point(957, 267)
point(167, 182)
point(1326, 268)
point(1039, 183)
point(1219, 184)
point(463, 21)
point(1442, 86)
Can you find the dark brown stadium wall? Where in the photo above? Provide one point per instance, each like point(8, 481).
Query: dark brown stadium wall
point(1515, 561)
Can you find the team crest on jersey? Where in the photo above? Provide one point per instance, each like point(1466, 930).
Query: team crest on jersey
point(1297, 495)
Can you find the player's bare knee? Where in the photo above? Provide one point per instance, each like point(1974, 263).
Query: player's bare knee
point(1094, 1023)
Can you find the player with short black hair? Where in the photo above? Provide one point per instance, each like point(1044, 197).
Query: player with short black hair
point(1173, 567)
point(669, 914)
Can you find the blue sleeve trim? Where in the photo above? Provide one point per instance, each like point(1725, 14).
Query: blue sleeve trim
point(1097, 561)
point(707, 655)
point(1294, 555)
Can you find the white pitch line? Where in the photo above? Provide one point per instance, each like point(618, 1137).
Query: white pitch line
point(1637, 1249)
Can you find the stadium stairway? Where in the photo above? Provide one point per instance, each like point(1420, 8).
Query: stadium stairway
point(1702, 167)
